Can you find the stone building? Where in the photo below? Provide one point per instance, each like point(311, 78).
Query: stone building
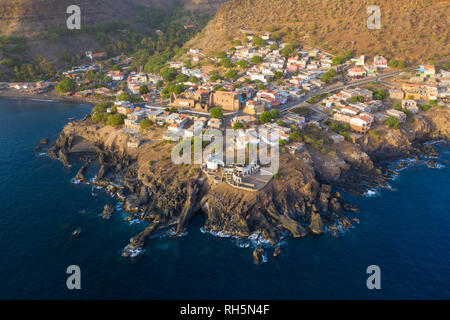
point(203, 101)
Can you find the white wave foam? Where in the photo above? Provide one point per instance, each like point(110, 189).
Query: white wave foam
point(371, 193)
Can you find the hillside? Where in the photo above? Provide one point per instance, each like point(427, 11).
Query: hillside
point(26, 17)
point(410, 29)
point(34, 29)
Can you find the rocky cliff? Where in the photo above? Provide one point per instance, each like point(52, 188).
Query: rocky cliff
point(299, 200)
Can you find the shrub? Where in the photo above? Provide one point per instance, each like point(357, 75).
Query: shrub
point(265, 117)
point(275, 113)
point(145, 123)
point(115, 119)
point(143, 89)
point(392, 122)
point(216, 113)
point(65, 86)
point(425, 107)
point(238, 125)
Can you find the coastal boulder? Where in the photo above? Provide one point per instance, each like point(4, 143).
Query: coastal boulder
point(258, 255)
point(108, 210)
point(316, 225)
point(63, 158)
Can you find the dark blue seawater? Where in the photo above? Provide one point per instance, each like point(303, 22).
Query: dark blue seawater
point(405, 232)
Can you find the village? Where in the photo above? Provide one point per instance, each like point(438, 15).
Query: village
point(259, 84)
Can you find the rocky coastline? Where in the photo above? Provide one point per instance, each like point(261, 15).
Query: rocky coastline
point(303, 199)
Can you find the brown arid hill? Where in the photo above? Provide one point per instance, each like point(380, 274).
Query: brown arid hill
point(413, 30)
point(26, 17)
point(36, 19)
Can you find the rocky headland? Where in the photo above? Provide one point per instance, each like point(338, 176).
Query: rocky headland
point(302, 199)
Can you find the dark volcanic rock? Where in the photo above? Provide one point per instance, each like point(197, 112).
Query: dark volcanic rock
point(316, 225)
point(63, 158)
point(108, 210)
point(80, 174)
point(277, 251)
point(258, 255)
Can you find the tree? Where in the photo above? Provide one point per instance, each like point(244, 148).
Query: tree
point(243, 64)
point(181, 78)
point(115, 119)
point(274, 113)
point(392, 122)
point(256, 60)
point(261, 86)
point(179, 88)
point(193, 79)
point(168, 74)
point(216, 113)
point(143, 89)
point(278, 74)
point(397, 106)
point(353, 100)
point(102, 107)
point(259, 42)
point(281, 123)
point(145, 123)
point(337, 60)
point(159, 84)
point(231, 74)
point(124, 97)
point(226, 63)
point(265, 117)
point(66, 85)
point(287, 51)
point(328, 77)
point(238, 125)
point(294, 136)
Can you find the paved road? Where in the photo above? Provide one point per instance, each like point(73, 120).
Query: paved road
point(339, 87)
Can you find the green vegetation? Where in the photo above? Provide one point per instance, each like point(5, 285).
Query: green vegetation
point(288, 50)
point(396, 64)
point(379, 94)
point(278, 75)
point(65, 86)
point(397, 106)
point(226, 63)
point(231, 74)
point(124, 97)
point(374, 133)
point(337, 60)
point(265, 117)
point(302, 111)
point(392, 122)
point(216, 113)
point(329, 76)
point(170, 88)
point(144, 89)
point(256, 60)
point(115, 119)
point(315, 99)
point(281, 123)
point(238, 125)
point(275, 113)
point(243, 64)
point(99, 112)
point(425, 107)
point(145, 124)
point(259, 42)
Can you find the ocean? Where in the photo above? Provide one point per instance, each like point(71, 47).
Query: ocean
point(404, 231)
